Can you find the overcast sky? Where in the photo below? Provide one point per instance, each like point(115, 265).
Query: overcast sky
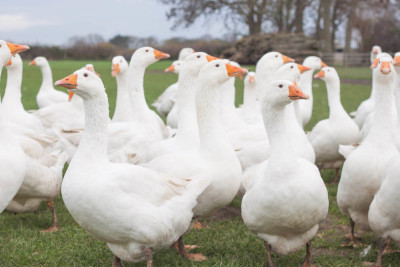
point(54, 21)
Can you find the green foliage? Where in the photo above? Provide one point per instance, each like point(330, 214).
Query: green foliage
point(226, 241)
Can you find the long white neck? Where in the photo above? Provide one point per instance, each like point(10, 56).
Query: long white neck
point(186, 101)
point(382, 128)
point(47, 82)
point(336, 110)
point(12, 95)
point(274, 116)
point(136, 91)
point(227, 92)
point(93, 144)
point(211, 132)
point(123, 109)
point(305, 81)
point(264, 77)
point(250, 98)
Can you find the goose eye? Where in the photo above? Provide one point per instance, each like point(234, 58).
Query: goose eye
point(291, 67)
point(276, 55)
point(147, 50)
point(217, 65)
point(198, 56)
point(281, 85)
point(85, 74)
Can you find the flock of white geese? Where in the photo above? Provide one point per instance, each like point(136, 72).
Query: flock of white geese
point(140, 185)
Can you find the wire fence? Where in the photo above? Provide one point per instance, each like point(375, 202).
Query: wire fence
point(346, 59)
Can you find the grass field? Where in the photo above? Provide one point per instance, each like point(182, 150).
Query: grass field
point(226, 241)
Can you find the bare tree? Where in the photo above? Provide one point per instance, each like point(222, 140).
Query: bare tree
point(326, 6)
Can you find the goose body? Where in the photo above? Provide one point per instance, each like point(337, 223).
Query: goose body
point(134, 209)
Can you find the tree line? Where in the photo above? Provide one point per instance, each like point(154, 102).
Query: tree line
point(366, 22)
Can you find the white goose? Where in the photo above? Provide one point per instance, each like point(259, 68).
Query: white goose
point(166, 101)
point(135, 210)
point(304, 108)
point(145, 119)
point(187, 135)
point(338, 129)
point(215, 157)
point(47, 95)
point(12, 157)
point(363, 171)
point(12, 105)
point(284, 205)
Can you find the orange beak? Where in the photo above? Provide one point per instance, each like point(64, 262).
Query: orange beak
point(374, 64)
point(323, 65)
point(235, 71)
point(70, 95)
point(295, 93)
point(385, 67)
point(170, 69)
point(252, 79)
point(303, 68)
point(32, 63)
point(69, 82)
point(396, 61)
point(160, 55)
point(115, 69)
point(319, 75)
point(16, 48)
point(287, 59)
point(211, 58)
point(9, 63)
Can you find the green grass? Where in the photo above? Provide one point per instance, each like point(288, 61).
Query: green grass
point(226, 242)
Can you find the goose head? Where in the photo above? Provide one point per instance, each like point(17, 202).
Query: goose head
point(327, 74)
point(218, 71)
point(250, 79)
point(272, 61)
point(39, 61)
point(378, 57)
point(282, 92)
point(84, 83)
point(146, 56)
point(119, 65)
point(90, 67)
point(313, 62)
point(195, 62)
point(175, 67)
point(290, 71)
point(383, 71)
point(15, 63)
point(375, 51)
point(187, 51)
point(9, 49)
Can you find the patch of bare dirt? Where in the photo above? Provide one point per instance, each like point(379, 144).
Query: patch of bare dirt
point(227, 213)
